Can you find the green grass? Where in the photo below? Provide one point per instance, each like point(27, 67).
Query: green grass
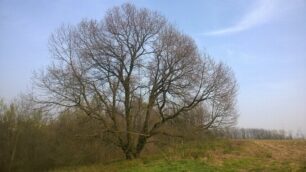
point(154, 166)
point(216, 155)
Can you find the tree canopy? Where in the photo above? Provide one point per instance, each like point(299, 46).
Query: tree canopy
point(135, 72)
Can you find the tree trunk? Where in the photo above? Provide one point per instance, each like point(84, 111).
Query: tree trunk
point(128, 152)
point(135, 152)
point(129, 155)
point(140, 145)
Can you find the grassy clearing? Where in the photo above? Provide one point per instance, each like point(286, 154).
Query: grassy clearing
point(217, 155)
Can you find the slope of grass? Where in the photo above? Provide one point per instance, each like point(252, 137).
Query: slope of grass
point(217, 155)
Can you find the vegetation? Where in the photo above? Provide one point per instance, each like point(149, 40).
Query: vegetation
point(255, 133)
point(31, 140)
point(216, 155)
point(134, 87)
point(135, 73)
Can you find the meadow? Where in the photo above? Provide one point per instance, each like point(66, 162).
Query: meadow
point(214, 155)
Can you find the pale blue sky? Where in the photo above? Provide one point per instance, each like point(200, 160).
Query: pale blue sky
point(264, 41)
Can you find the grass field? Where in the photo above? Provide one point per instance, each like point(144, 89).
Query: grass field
point(217, 155)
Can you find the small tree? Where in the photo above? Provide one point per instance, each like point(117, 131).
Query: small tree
point(134, 72)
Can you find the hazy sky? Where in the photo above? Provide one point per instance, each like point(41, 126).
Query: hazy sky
point(264, 41)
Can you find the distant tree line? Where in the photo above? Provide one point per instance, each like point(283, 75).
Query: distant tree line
point(255, 133)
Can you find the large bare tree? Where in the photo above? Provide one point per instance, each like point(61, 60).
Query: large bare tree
point(134, 72)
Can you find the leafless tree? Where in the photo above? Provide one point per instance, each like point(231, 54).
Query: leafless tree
point(134, 72)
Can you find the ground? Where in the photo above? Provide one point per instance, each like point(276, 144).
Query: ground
point(217, 155)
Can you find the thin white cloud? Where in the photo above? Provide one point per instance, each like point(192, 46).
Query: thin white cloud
point(262, 12)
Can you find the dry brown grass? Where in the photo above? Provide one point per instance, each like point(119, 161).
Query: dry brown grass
point(218, 155)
